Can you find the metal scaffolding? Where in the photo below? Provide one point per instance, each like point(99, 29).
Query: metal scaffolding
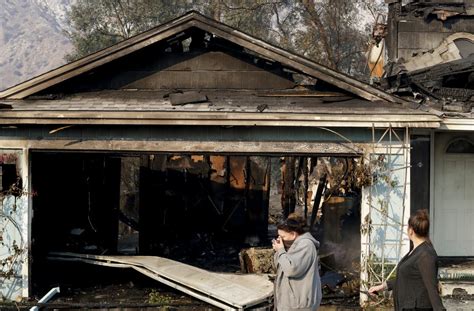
point(385, 206)
point(384, 218)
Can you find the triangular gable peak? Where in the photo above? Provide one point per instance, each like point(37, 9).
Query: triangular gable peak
point(214, 65)
point(254, 64)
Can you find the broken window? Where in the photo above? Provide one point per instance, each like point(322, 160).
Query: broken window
point(465, 47)
point(8, 176)
point(8, 172)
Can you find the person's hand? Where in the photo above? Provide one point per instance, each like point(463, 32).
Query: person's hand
point(375, 289)
point(277, 244)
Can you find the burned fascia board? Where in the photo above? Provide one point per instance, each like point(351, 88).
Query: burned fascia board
point(229, 117)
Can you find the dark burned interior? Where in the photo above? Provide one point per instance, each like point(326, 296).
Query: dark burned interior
point(200, 209)
point(194, 208)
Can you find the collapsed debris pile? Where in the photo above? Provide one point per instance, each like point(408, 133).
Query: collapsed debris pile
point(431, 55)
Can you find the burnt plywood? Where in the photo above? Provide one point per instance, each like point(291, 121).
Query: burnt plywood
point(153, 69)
point(420, 40)
point(207, 61)
point(212, 70)
point(211, 80)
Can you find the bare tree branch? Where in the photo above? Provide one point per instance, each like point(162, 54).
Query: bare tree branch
point(315, 21)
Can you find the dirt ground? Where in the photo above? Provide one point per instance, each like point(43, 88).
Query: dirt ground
point(144, 295)
point(456, 304)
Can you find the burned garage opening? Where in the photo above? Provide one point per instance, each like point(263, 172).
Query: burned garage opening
point(176, 152)
point(210, 211)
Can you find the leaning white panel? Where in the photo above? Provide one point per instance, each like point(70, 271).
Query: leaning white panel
point(224, 290)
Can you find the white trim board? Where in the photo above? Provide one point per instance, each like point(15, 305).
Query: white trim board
point(456, 124)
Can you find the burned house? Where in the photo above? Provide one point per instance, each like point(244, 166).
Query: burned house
point(182, 138)
point(431, 49)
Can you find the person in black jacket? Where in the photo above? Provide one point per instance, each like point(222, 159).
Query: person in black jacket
point(416, 283)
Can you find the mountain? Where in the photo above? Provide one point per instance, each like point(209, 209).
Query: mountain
point(32, 38)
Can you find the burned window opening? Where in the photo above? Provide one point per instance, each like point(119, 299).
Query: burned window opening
point(195, 208)
point(465, 47)
point(8, 178)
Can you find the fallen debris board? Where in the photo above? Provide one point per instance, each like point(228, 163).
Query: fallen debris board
point(224, 290)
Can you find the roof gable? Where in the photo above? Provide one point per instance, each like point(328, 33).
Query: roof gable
point(152, 68)
point(177, 26)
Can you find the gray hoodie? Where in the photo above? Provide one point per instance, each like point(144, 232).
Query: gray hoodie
point(297, 283)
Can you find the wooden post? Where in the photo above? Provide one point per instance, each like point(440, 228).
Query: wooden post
point(288, 201)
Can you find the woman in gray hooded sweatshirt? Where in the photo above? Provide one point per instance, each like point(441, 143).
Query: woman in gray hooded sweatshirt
point(297, 283)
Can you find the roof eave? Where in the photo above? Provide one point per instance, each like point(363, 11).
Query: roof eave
point(218, 119)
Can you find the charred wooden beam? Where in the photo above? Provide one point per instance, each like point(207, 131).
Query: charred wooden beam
point(306, 186)
point(288, 200)
point(317, 200)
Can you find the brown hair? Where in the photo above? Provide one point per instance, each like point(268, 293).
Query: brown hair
point(293, 223)
point(420, 223)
